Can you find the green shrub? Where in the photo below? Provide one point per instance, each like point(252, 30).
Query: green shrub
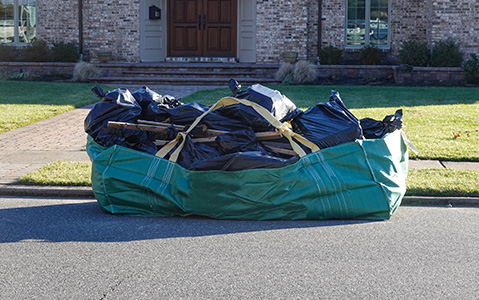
point(446, 54)
point(370, 56)
point(24, 76)
point(304, 72)
point(65, 52)
point(414, 53)
point(330, 55)
point(83, 71)
point(471, 66)
point(38, 51)
point(7, 53)
point(4, 74)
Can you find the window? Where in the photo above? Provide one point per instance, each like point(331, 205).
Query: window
point(367, 23)
point(18, 20)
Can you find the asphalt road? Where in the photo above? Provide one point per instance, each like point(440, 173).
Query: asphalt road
point(70, 249)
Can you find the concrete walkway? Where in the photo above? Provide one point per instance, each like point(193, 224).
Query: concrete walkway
point(62, 137)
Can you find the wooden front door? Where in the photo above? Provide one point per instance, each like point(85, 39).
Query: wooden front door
point(202, 27)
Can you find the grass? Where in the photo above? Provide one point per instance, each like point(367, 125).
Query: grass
point(443, 182)
point(26, 102)
point(443, 122)
point(60, 173)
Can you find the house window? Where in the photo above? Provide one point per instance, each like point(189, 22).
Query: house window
point(367, 23)
point(18, 20)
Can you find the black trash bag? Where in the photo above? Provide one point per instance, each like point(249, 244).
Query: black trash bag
point(118, 105)
point(243, 161)
point(186, 114)
point(134, 139)
point(373, 129)
point(279, 105)
point(170, 133)
point(328, 124)
point(193, 152)
point(239, 141)
point(150, 101)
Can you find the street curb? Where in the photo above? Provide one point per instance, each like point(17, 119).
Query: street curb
point(87, 192)
point(46, 191)
point(440, 201)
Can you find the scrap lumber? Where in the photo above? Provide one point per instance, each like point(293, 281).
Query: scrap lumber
point(181, 127)
point(134, 126)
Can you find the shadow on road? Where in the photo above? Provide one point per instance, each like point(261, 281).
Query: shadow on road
point(86, 222)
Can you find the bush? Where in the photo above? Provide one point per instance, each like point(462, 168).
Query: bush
point(285, 73)
point(4, 74)
point(471, 67)
point(330, 56)
point(304, 72)
point(83, 71)
point(38, 51)
point(446, 54)
point(370, 56)
point(7, 53)
point(24, 76)
point(414, 53)
point(65, 52)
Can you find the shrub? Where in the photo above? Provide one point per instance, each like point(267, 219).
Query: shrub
point(24, 76)
point(7, 53)
point(370, 56)
point(471, 66)
point(4, 74)
point(414, 53)
point(304, 72)
point(83, 71)
point(446, 54)
point(65, 52)
point(285, 73)
point(330, 56)
point(38, 51)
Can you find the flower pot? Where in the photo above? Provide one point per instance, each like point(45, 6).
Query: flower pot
point(290, 57)
point(104, 56)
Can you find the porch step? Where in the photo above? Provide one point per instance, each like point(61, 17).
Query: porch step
point(181, 73)
point(211, 73)
point(174, 80)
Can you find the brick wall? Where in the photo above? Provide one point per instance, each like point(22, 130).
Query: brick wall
point(57, 21)
point(107, 25)
point(114, 26)
point(282, 25)
point(333, 19)
point(456, 19)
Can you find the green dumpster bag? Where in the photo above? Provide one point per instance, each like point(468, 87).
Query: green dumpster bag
point(364, 179)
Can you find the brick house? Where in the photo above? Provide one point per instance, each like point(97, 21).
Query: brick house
point(242, 30)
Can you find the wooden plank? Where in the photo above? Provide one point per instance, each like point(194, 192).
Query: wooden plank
point(180, 127)
point(133, 126)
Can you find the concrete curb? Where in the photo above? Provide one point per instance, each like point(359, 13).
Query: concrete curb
point(440, 201)
point(87, 192)
point(46, 191)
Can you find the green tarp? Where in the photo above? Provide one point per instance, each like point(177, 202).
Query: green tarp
point(364, 179)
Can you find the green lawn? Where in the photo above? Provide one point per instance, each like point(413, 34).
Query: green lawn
point(442, 122)
point(27, 102)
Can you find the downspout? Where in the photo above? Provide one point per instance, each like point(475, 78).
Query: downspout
point(80, 28)
point(320, 23)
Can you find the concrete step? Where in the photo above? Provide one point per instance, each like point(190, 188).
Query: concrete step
point(191, 73)
point(173, 80)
